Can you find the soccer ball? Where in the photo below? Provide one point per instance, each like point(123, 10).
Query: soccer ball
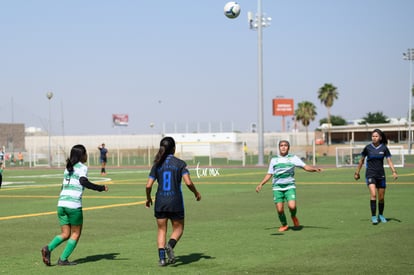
point(231, 10)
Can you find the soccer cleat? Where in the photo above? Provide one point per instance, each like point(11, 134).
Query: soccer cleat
point(382, 218)
point(170, 253)
point(46, 255)
point(283, 228)
point(374, 220)
point(295, 221)
point(65, 262)
point(162, 262)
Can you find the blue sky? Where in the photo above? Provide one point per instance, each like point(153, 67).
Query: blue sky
point(166, 62)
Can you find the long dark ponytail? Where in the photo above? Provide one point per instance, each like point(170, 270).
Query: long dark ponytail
point(77, 154)
point(167, 147)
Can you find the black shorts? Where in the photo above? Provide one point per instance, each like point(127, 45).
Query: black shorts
point(169, 215)
point(379, 182)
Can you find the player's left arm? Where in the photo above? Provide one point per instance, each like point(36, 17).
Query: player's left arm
point(310, 168)
point(188, 181)
point(391, 165)
point(84, 181)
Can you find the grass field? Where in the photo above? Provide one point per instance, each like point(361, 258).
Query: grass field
point(232, 230)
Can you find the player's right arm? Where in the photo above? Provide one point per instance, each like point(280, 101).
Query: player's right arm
point(148, 189)
point(263, 182)
point(358, 170)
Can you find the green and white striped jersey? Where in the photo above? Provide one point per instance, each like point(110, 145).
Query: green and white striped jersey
point(72, 190)
point(283, 170)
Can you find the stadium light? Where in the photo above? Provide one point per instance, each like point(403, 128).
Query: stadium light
point(49, 96)
point(409, 55)
point(257, 22)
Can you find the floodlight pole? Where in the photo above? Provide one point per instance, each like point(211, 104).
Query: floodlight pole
point(260, 131)
point(49, 96)
point(257, 24)
point(409, 55)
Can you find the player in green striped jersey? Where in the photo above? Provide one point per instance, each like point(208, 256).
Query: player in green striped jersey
point(70, 214)
point(282, 172)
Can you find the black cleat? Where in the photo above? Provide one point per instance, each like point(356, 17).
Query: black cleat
point(170, 253)
point(46, 255)
point(162, 262)
point(65, 262)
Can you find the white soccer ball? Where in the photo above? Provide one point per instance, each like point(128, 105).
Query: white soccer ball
point(232, 10)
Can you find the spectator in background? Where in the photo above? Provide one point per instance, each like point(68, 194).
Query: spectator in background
point(103, 158)
point(20, 158)
point(12, 159)
point(1, 173)
point(2, 155)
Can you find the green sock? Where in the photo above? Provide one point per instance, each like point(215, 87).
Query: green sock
point(293, 212)
point(55, 242)
point(282, 218)
point(70, 246)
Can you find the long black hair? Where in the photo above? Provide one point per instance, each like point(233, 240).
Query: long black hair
point(77, 154)
point(382, 135)
point(167, 147)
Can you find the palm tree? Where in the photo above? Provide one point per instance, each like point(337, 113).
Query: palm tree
point(327, 95)
point(374, 118)
point(305, 113)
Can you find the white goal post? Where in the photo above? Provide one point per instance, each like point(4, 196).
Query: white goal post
point(349, 156)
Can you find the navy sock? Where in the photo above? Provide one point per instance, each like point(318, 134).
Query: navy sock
point(380, 207)
point(373, 204)
point(161, 253)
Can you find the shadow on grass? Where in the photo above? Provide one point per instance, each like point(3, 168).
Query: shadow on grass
point(98, 257)
point(393, 219)
point(388, 220)
point(190, 258)
point(291, 228)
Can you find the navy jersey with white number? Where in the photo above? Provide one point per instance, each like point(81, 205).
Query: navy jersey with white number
point(375, 160)
point(169, 197)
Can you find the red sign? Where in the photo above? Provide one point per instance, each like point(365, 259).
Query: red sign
point(283, 107)
point(120, 119)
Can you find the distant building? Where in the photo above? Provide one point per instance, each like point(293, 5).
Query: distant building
point(12, 136)
point(396, 131)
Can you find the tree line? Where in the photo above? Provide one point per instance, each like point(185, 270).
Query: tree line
point(327, 94)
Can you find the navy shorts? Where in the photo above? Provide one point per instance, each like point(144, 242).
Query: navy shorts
point(169, 215)
point(379, 182)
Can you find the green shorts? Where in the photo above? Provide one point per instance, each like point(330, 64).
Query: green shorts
point(70, 216)
point(286, 195)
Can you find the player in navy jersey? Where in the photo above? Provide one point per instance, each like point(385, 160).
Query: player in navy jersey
point(169, 172)
point(375, 153)
point(103, 158)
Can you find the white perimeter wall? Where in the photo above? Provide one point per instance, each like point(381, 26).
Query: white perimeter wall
point(40, 144)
